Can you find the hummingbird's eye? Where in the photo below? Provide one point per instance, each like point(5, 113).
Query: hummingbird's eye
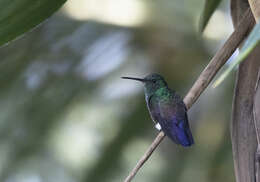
point(154, 81)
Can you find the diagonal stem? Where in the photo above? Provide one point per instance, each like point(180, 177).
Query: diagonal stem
point(204, 79)
point(255, 7)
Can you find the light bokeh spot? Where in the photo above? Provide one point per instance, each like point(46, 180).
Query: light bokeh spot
point(118, 12)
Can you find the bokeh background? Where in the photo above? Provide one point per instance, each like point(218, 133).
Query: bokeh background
point(67, 116)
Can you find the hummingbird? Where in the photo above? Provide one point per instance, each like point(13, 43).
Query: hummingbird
point(167, 109)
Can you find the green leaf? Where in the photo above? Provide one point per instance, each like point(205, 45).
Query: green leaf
point(209, 8)
point(251, 42)
point(19, 16)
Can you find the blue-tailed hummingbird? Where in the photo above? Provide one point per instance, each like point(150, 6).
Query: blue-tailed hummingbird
point(167, 108)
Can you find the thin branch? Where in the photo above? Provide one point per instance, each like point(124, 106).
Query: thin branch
point(204, 79)
point(146, 155)
point(255, 7)
point(220, 58)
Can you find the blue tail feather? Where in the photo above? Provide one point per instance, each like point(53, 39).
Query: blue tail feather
point(180, 133)
point(184, 134)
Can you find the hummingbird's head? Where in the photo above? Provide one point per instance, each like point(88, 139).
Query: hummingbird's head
point(152, 82)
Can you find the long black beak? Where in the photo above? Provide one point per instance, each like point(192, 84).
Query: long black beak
point(132, 78)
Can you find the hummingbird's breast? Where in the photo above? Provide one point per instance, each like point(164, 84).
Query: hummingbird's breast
point(163, 94)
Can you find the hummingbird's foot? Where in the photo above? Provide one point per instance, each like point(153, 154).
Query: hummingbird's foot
point(158, 126)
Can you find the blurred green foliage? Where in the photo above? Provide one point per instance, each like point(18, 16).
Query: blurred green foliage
point(208, 10)
point(20, 16)
point(67, 116)
point(251, 42)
